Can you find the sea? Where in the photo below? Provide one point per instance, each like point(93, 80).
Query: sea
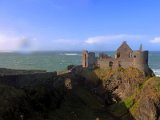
point(58, 60)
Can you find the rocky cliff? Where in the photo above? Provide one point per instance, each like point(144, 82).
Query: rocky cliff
point(86, 94)
point(127, 93)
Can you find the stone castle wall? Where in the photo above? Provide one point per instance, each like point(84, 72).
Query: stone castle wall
point(28, 80)
point(114, 63)
point(91, 58)
point(122, 63)
point(105, 63)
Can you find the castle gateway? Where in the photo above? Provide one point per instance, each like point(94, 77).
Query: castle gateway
point(125, 57)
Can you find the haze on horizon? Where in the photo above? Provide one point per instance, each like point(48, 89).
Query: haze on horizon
point(48, 25)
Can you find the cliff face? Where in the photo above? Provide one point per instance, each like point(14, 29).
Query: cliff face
point(128, 93)
point(120, 82)
point(146, 104)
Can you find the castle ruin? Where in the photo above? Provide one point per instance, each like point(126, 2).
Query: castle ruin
point(125, 57)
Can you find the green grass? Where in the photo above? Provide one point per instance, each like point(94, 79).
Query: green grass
point(121, 108)
point(128, 102)
point(80, 105)
point(157, 80)
point(134, 108)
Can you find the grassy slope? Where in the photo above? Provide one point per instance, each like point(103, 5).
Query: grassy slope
point(38, 104)
point(80, 105)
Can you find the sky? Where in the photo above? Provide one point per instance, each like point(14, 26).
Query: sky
point(95, 25)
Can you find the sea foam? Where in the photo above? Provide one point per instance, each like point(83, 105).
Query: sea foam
point(157, 72)
point(71, 54)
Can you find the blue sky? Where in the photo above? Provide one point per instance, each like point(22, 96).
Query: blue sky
point(45, 25)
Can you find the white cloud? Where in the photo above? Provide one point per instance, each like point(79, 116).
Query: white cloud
point(109, 38)
point(155, 40)
point(11, 43)
point(14, 42)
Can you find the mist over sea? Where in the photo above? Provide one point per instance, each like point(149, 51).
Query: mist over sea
point(57, 61)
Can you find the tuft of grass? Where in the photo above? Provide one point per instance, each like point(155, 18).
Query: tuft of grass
point(134, 108)
point(122, 107)
point(129, 101)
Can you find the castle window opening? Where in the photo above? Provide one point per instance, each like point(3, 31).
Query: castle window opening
point(134, 56)
point(110, 64)
point(85, 59)
point(118, 55)
point(130, 55)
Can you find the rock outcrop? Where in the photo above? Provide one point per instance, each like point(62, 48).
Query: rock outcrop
point(147, 102)
point(128, 93)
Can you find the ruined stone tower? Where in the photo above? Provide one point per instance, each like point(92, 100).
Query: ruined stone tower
point(140, 59)
point(88, 59)
point(85, 58)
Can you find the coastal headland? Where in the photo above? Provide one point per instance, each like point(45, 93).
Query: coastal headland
point(79, 93)
point(90, 91)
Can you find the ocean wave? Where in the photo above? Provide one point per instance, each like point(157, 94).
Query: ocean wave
point(71, 54)
point(157, 72)
point(158, 75)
